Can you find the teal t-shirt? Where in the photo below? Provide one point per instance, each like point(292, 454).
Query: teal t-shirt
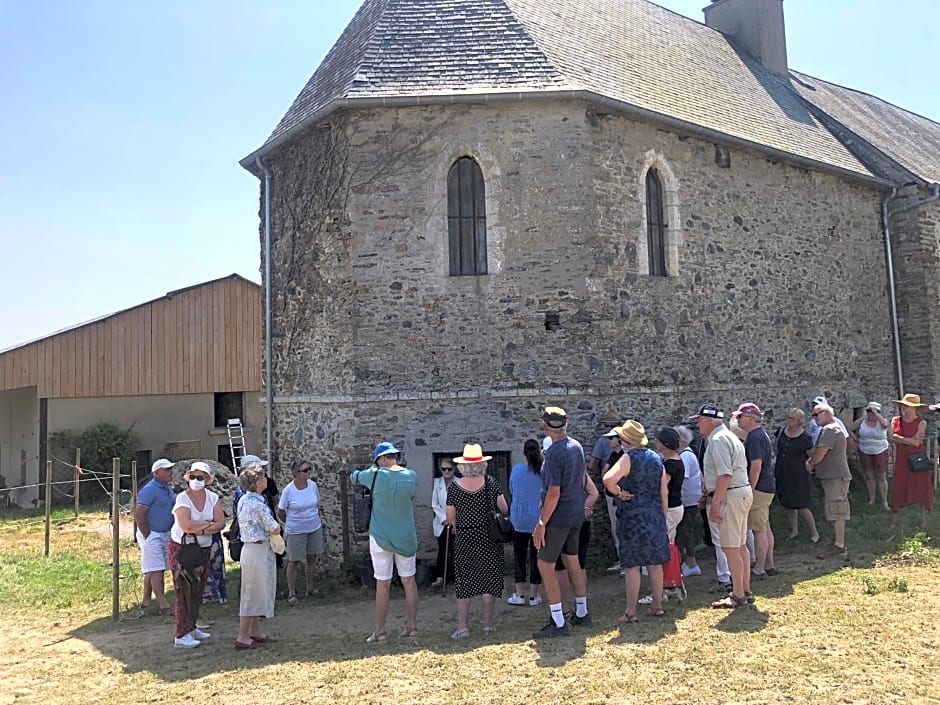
point(393, 517)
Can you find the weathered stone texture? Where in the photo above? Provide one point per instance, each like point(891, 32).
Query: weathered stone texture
point(374, 340)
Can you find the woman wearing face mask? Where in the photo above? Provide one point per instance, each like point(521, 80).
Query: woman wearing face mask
point(197, 513)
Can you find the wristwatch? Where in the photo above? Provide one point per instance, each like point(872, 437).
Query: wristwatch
point(541, 523)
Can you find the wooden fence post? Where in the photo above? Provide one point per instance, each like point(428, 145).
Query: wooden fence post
point(48, 504)
point(76, 485)
point(134, 495)
point(115, 539)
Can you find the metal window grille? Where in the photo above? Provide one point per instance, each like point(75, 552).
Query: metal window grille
point(655, 225)
point(466, 218)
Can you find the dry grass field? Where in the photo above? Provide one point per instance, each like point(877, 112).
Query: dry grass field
point(863, 629)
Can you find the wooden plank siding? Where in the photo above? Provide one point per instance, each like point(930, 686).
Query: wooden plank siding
point(199, 340)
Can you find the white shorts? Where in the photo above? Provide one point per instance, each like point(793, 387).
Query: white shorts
point(673, 517)
point(154, 551)
point(383, 560)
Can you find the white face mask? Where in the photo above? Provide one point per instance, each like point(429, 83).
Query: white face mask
point(196, 484)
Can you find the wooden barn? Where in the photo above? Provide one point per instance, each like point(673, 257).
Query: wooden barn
point(174, 369)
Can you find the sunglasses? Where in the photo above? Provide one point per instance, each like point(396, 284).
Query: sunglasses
point(447, 469)
point(198, 477)
point(304, 470)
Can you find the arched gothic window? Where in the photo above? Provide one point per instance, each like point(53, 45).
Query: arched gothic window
point(466, 218)
point(655, 225)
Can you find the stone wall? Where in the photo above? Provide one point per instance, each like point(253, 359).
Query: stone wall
point(373, 340)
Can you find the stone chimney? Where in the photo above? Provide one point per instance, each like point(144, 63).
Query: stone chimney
point(755, 26)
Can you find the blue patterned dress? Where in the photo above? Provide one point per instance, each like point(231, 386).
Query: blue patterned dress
point(641, 523)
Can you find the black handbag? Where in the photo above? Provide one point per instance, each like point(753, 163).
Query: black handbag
point(234, 537)
point(362, 506)
point(919, 462)
point(499, 526)
point(191, 555)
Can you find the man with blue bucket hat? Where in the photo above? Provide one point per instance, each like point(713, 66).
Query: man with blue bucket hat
point(393, 539)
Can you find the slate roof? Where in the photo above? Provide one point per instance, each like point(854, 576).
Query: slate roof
point(632, 52)
point(911, 140)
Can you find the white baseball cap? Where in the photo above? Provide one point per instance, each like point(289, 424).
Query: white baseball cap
point(161, 464)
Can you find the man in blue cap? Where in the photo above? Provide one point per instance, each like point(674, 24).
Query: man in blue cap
point(393, 539)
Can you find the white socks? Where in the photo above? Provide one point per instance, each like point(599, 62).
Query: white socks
point(580, 606)
point(558, 616)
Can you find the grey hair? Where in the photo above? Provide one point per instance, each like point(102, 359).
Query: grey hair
point(472, 469)
point(249, 477)
point(684, 434)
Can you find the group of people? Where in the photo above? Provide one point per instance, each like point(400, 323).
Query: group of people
point(654, 495)
point(169, 523)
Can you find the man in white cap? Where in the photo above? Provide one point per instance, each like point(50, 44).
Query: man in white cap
point(559, 526)
point(154, 517)
point(728, 498)
point(813, 428)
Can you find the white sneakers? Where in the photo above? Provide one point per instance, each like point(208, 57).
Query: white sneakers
point(688, 571)
point(614, 568)
point(191, 640)
point(516, 599)
point(186, 642)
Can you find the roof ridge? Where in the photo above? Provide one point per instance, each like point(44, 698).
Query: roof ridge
point(800, 75)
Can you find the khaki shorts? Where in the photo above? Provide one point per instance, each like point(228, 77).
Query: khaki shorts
point(299, 546)
point(732, 532)
point(758, 519)
point(836, 499)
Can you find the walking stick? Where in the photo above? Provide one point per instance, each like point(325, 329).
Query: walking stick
point(446, 560)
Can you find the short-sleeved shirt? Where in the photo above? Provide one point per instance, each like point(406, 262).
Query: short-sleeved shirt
point(302, 508)
point(563, 467)
point(692, 482)
point(601, 450)
point(724, 455)
point(834, 466)
point(675, 468)
point(159, 499)
point(393, 517)
point(206, 514)
point(255, 522)
point(758, 446)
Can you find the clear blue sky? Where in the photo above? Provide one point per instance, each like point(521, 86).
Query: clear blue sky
point(123, 123)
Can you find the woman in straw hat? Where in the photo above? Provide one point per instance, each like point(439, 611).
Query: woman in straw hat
point(197, 513)
point(640, 485)
point(478, 561)
point(907, 434)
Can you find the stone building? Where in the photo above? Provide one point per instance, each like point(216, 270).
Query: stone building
point(478, 208)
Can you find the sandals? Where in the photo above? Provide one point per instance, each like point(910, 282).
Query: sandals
point(627, 618)
point(407, 633)
point(651, 612)
point(463, 633)
point(263, 639)
point(376, 637)
point(292, 599)
point(729, 603)
point(488, 628)
point(166, 611)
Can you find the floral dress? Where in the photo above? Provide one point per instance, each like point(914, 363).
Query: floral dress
point(641, 523)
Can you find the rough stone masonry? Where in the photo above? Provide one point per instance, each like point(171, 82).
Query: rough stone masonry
point(374, 340)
